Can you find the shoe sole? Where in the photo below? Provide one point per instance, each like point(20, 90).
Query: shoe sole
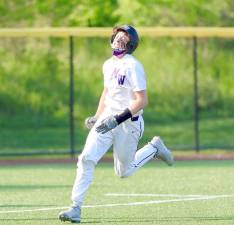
point(64, 218)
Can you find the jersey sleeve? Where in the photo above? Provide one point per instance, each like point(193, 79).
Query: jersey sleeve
point(138, 78)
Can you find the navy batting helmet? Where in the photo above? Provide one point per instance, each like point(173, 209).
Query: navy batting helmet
point(132, 33)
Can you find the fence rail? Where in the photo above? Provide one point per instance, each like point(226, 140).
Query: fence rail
point(185, 32)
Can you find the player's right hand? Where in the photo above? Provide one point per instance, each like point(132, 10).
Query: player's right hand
point(107, 124)
point(90, 121)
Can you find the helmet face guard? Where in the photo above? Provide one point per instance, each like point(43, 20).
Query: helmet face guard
point(119, 43)
point(132, 44)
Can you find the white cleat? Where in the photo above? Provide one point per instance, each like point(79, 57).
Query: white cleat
point(72, 215)
point(161, 151)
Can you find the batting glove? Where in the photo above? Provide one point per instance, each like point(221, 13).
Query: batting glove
point(107, 124)
point(90, 121)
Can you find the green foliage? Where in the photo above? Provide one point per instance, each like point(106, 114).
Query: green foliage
point(176, 13)
point(17, 13)
point(34, 72)
point(38, 72)
point(94, 13)
point(30, 81)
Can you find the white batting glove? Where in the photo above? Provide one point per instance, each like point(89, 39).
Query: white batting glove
point(107, 124)
point(90, 121)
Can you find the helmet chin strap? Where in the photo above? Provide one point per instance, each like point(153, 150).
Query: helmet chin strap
point(117, 52)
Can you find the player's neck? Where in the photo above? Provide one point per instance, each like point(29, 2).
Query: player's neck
point(119, 56)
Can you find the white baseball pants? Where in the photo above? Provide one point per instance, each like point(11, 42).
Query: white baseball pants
point(127, 159)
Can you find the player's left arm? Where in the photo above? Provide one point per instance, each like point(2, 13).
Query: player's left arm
point(140, 101)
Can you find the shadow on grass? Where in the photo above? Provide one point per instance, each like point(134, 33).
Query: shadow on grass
point(134, 221)
point(156, 219)
point(198, 218)
point(29, 219)
point(26, 205)
point(31, 187)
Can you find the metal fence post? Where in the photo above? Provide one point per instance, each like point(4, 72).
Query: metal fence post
point(195, 97)
point(71, 96)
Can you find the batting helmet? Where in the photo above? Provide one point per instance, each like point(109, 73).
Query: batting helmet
point(133, 36)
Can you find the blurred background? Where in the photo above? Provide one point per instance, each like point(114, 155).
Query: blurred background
point(35, 74)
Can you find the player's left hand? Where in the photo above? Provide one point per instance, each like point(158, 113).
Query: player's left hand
point(107, 124)
point(90, 121)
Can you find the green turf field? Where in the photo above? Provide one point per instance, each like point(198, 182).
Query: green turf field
point(191, 192)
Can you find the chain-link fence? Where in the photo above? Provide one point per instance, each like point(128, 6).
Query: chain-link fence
point(48, 85)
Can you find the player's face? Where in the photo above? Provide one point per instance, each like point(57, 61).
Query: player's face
point(120, 41)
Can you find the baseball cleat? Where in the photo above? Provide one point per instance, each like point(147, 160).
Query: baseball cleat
point(161, 151)
point(72, 215)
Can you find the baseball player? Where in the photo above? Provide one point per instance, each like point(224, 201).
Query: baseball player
point(118, 121)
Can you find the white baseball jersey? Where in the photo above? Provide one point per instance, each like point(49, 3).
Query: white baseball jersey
point(122, 77)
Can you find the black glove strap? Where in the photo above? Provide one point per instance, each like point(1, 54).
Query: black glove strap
point(126, 114)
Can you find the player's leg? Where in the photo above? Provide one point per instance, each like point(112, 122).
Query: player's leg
point(127, 159)
point(96, 146)
point(126, 138)
point(154, 149)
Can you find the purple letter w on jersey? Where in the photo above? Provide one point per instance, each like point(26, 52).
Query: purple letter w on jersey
point(121, 79)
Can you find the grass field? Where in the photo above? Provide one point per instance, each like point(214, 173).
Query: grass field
point(191, 192)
